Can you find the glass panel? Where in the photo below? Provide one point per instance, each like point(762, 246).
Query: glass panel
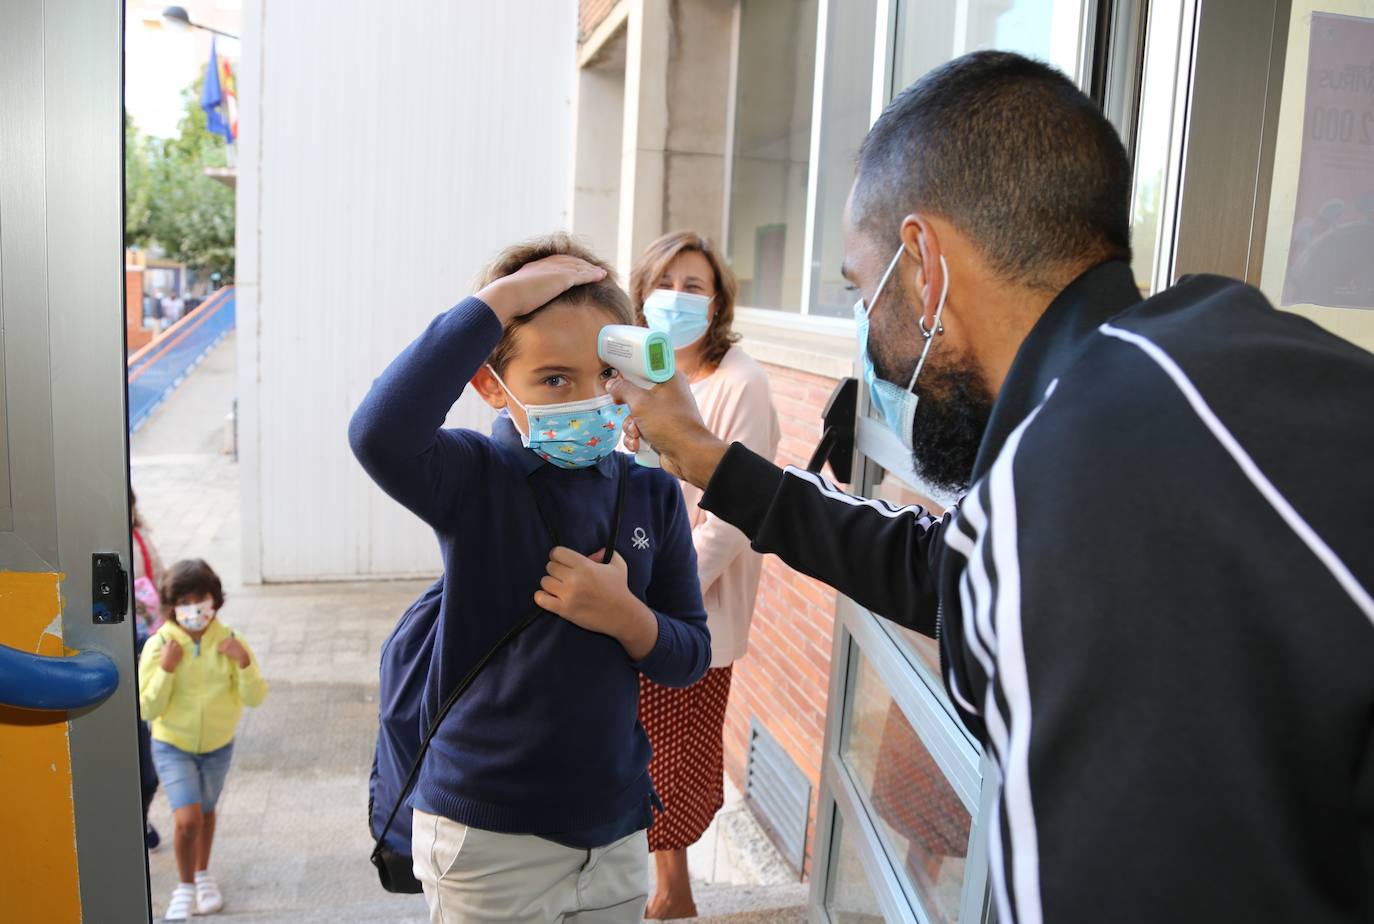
point(929, 34)
point(925, 650)
point(773, 99)
point(849, 897)
point(914, 808)
point(1321, 210)
point(1151, 251)
point(847, 105)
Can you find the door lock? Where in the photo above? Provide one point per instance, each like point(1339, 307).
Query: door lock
point(109, 589)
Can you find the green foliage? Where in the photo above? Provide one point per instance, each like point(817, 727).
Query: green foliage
point(170, 202)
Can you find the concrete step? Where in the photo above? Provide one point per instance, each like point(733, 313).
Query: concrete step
point(752, 904)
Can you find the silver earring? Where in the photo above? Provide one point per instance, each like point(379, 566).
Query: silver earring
point(939, 328)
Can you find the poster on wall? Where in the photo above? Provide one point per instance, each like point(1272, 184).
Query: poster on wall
point(1331, 253)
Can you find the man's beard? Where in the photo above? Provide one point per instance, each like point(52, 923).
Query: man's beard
point(951, 417)
point(955, 403)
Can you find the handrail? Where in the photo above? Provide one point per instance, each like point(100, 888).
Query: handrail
point(182, 325)
point(31, 681)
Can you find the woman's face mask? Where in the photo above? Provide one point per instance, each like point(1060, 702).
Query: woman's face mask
point(683, 316)
point(575, 434)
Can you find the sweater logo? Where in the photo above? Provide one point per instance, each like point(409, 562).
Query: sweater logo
point(641, 539)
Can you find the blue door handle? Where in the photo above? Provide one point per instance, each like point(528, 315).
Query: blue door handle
point(31, 681)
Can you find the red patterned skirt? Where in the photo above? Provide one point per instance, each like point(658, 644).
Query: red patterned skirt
point(686, 729)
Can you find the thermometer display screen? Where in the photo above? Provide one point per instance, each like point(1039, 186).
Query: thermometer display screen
point(658, 360)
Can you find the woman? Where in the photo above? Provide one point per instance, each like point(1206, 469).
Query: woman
point(682, 287)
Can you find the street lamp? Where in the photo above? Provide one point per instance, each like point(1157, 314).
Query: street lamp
point(178, 16)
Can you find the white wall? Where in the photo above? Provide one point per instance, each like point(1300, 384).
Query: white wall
point(387, 151)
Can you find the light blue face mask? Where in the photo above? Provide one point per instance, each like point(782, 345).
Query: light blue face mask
point(575, 434)
point(682, 316)
point(895, 404)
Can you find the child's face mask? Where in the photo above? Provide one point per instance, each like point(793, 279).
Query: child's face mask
point(194, 617)
point(575, 434)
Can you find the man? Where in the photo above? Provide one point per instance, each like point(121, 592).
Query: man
point(1153, 600)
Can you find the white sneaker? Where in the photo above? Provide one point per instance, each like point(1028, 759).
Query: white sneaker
point(208, 898)
point(182, 903)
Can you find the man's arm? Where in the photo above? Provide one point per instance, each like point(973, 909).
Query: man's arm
point(882, 556)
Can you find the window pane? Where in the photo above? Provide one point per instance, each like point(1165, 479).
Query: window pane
point(929, 34)
point(846, 106)
point(918, 814)
point(924, 648)
point(776, 72)
point(849, 898)
point(1321, 210)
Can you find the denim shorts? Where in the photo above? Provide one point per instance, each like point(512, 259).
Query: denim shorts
point(189, 779)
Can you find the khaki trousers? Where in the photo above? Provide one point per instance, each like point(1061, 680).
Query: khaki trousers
point(471, 876)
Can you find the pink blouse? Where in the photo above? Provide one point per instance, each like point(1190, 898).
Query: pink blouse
point(736, 402)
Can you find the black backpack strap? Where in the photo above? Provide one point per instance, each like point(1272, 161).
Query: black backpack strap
point(378, 858)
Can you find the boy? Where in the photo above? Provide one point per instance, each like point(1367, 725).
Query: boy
point(533, 800)
point(194, 678)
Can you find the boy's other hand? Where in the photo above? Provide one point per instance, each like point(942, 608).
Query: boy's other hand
point(536, 284)
point(231, 647)
point(171, 655)
point(597, 597)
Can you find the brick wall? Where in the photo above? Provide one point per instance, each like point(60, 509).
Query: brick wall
point(590, 13)
point(785, 678)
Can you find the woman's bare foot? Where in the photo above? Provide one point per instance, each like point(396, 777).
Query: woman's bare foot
point(673, 897)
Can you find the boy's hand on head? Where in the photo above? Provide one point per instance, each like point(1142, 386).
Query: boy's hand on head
point(536, 284)
point(171, 655)
point(231, 647)
point(597, 597)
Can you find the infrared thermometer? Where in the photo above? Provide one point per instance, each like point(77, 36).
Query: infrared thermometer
point(643, 356)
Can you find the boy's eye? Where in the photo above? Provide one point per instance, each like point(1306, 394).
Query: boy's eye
point(555, 381)
point(608, 373)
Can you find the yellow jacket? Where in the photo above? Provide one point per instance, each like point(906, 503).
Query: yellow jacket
point(197, 706)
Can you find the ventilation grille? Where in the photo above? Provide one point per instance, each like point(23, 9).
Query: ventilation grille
point(779, 794)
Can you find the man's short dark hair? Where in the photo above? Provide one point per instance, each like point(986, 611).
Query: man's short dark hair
point(1012, 154)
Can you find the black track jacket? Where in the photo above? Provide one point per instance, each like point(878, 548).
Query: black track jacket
point(1153, 605)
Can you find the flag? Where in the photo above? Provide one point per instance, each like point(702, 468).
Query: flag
point(228, 86)
point(212, 100)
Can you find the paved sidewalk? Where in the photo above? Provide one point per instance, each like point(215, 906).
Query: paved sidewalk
point(292, 841)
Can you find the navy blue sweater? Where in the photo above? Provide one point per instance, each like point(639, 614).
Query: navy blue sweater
point(547, 741)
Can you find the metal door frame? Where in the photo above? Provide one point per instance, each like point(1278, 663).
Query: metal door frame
point(61, 245)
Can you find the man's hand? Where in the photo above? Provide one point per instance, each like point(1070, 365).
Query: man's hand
point(171, 655)
point(536, 284)
point(232, 648)
point(667, 417)
point(597, 597)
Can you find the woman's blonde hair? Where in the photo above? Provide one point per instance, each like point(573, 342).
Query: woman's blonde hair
point(649, 268)
point(606, 295)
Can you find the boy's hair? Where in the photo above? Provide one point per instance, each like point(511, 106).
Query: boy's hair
point(191, 577)
point(605, 295)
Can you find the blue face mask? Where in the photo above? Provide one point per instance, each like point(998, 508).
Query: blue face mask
point(895, 404)
point(575, 434)
point(680, 315)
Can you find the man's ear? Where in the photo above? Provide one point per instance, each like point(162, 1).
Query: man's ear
point(922, 241)
point(491, 391)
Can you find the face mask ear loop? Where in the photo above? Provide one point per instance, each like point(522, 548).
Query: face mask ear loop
point(868, 306)
point(930, 334)
point(509, 393)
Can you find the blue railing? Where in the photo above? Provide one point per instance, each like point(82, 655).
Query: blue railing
point(31, 681)
point(156, 370)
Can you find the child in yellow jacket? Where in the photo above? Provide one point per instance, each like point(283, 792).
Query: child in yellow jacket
point(194, 678)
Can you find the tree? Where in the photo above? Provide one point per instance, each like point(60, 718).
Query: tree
point(171, 203)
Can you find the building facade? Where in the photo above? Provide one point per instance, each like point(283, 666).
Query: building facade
point(741, 119)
